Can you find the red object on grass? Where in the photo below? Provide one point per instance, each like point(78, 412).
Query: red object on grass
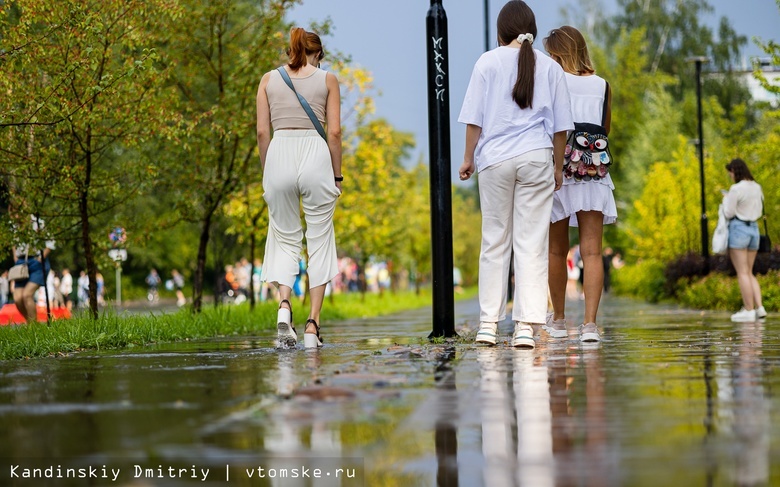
point(10, 315)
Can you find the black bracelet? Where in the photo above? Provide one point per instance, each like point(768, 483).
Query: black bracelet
point(339, 179)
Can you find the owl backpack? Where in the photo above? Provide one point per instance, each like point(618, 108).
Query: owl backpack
point(587, 156)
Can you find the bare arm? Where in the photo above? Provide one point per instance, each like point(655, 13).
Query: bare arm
point(263, 120)
point(333, 120)
point(473, 132)
point(608, 119)
point(559, 146)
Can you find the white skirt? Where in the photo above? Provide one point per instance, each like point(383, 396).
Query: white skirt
point(585, 196)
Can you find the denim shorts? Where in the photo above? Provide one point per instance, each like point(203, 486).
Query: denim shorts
point(743, 235)
point(36, 272)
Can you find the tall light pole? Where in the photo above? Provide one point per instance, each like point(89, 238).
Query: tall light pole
point(487, 25)
point(440, 175)
point(705, 241)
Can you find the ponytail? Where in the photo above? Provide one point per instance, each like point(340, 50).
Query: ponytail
point(302, 44)
point(523, 92)
point(297, 51)
point(516, 21)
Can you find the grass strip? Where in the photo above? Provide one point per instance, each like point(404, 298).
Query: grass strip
point(116, 331)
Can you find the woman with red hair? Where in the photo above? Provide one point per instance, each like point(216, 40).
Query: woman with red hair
point(301, 164)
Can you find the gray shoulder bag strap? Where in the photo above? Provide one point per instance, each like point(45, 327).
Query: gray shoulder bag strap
point(304, 104)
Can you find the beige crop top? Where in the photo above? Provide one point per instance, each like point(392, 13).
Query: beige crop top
point(286, 110)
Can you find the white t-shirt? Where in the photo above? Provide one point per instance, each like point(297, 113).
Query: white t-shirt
point(587, 106)
point(507, 130)
point(745, 201)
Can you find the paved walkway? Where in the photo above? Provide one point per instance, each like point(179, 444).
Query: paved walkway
point(671, 397)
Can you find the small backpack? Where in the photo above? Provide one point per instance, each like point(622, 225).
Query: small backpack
point(587, 156)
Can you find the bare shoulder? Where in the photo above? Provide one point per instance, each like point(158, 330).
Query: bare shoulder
point(331, 78)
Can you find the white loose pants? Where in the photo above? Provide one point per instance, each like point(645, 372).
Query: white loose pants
point(298, 169)
point(516, 198)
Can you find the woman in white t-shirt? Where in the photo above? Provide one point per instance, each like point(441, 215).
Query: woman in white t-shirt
point(517, 113)
point(584, 201)
point(743, 205)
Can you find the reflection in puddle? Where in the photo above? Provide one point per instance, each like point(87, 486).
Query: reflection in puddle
point(672, 398)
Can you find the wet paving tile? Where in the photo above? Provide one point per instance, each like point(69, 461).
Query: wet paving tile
point(670, 397)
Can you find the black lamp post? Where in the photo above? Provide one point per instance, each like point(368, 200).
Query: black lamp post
point(705, 241)
point(440, 176)
point(487, 25)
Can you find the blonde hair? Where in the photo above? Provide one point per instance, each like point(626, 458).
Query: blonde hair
point(568, 47)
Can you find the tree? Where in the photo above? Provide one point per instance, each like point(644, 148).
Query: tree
point(82, 94)
point(370, 213)
point(219, 52)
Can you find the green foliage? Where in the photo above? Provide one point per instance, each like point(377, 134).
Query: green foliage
point(83, 92)
point(645, 280)
point(720, 291)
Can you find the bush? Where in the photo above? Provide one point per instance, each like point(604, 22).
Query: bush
point(645, 280)
point(721, 291)
point(690, 267)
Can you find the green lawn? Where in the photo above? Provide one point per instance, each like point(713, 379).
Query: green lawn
point(116, 331)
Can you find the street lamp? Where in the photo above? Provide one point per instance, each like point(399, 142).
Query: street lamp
point(440, 175)
point(487, 25)
point(705, 244)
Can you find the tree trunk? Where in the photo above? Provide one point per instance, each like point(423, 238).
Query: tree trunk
point(197, 285)
point(89, 257)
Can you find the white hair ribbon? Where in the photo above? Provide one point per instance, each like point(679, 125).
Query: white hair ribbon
point(525, 37)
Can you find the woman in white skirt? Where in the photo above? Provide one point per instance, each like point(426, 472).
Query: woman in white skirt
point(585, 202)
point(300, 165)
point(517, 113)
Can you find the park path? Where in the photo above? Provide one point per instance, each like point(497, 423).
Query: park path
point(670, 397)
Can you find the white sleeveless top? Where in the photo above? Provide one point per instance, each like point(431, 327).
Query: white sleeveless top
point(286, 109)
point(587, 105)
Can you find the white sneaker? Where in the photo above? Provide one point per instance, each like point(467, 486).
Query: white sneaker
point(760, 312)
point(744, 315)
point(555, 328)
point(589, 332)
point(488, 333)
point(523, 336)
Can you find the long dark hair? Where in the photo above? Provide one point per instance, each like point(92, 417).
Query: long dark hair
point(740, 170)
point(303, 43)
point(517, 18)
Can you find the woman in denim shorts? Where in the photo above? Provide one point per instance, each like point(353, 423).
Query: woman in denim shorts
point(38, 267)
point(743, 205)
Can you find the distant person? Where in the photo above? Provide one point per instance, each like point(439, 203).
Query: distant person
point(585, 201)
point(82, 292)
point(38, 265)
point(606, 262)
point(743, 205)
point(5, 288)
point(517, 113)
point(66, 288)
point(153, 281)
point(301, 163)
point(178, 286)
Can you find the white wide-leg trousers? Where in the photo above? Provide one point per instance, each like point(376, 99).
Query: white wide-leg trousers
point(298, 169)
point(516, 198)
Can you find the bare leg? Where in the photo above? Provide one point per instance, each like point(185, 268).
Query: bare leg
point(591, 224)
point(317, 295)
point(743, 264)
point(23, 297)
point(558, 275)
point(284, 294)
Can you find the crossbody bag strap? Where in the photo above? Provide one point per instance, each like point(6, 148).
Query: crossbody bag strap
point(606, 102)
point(304, 104)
